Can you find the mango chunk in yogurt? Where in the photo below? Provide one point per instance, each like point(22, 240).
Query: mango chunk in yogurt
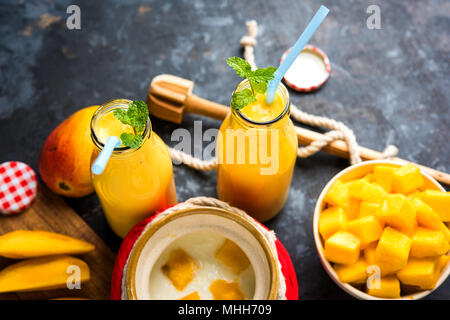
point(180, 268)
point(232, 256)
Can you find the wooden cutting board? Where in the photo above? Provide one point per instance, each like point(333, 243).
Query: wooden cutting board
point(50, 213)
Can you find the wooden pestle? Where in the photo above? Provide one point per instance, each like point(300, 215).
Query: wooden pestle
point(170, 97)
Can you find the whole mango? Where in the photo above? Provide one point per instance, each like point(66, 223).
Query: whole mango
point(64, 164)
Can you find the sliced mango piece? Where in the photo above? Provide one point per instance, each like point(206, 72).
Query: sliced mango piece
point(342, 247)
point(352, 273)
point(192, 296)
point(388, 287)
point(426, 243)
point(338, 195)
point(224, 290)
point(180, 268)
point(392, 250)
point(369, 253)
point(366, 191)
point(406, 179)
point(419, 273)
point(397, 212)
point(23, 244)
point(331, 220)
point(231, 255)
point(367, 208)
point(439, 201)
point(367, 229)
point(425, 214)
point(42, 274)
point(383, 175)
point(442, 262)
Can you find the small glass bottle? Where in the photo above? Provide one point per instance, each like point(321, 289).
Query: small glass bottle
point(135, 182)
point(257, 158)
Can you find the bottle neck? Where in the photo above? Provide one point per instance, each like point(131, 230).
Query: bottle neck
point(277, 122)
point(104, 124)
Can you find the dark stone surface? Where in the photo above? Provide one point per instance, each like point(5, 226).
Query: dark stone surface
point(390, 85)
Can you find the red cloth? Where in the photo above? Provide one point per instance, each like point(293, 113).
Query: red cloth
point(116, 284)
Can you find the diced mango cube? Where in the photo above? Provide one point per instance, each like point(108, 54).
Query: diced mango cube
point(392, 249)
point(180, 268)
point(419, 272)
point(224, 290)
point(366, 191)
point(331, 220)
point(383, 176)
point(192, 296)
point(367, 209)
point(369, 253)
point(439, 201)
point(352, 273)
point(367, 229)
point(353, 208)
point(406, 179)
point(442, 262)
point(446, 231)
point(232, 256)
point(342, 247)
point(425, 214)
point(338, 195)
point(386, 287)
point(397, 212)
point(426, 243)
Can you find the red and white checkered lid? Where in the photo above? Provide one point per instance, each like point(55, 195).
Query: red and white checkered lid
point(309, 71)
point(18, 187)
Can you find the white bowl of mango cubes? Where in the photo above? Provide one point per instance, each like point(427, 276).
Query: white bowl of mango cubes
point(382, 232)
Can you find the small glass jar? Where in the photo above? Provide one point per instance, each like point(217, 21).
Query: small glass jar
point(256, 160)
point(135, 182)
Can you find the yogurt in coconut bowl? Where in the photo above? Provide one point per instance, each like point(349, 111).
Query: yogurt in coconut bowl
point(194, 251)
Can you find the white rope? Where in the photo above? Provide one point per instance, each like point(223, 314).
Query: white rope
point(339, 130)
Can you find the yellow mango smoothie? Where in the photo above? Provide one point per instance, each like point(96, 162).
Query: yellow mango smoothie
point(136, 182)
point(257, 150)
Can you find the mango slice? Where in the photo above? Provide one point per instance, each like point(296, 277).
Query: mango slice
point(383, 176)
point(389, 287)
point(367, 208)
point(439, 201)
point(342, 247)
point(224, 290)
point(192, 296)
point(397, 212)
point(426, 243)
point(393, 249)
point(367, 229)
point(41, 274)
point(353, 208)
point(180, 268)
point(407, 178)
point(425, 214)
point(419, 273)
point(232, 256)
point(331, 220)
point(352, 273)
point(23, 244)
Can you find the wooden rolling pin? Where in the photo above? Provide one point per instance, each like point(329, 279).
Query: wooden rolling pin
point(170, 97)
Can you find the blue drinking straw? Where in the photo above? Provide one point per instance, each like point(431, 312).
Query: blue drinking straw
point(103, 158)
point(295, 51)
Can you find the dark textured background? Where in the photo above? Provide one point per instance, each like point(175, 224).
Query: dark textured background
point(390, 85)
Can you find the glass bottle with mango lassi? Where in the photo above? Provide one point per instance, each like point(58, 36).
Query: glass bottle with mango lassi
point(257, 150)
point(138, 178)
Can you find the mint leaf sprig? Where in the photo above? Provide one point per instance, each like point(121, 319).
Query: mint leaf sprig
point(136, 117)
point(258, 79)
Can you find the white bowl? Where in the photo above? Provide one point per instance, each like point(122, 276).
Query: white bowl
point(352, 172)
